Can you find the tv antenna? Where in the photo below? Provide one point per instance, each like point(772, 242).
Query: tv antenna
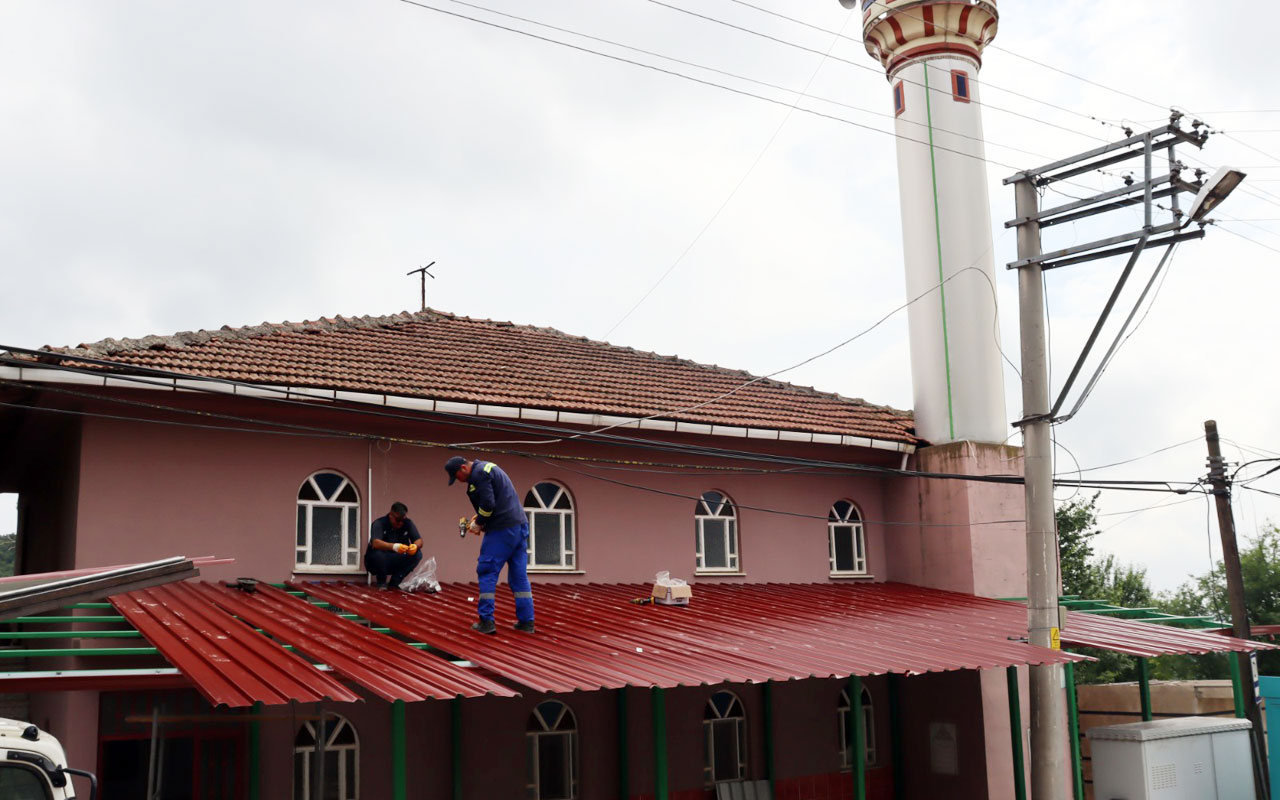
point(423, 272)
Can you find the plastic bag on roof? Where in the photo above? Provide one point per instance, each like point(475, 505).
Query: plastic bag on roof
point(664, 578)
point(423, 578)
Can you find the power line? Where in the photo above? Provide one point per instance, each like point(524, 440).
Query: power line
point(728, 198)
point(858, 65)
point(1146, 455)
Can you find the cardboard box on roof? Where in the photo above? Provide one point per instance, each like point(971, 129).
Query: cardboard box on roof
point(672, 595)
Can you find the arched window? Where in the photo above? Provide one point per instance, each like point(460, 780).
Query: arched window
point(846, 543)
point(328, 525)
point(716, 528)
point(551, 538)
point(335, 764)
point(846, 732)
point(724, 726)
point(552, 737)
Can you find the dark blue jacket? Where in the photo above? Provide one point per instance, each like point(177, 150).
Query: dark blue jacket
point(381, 529)
point(494, 497)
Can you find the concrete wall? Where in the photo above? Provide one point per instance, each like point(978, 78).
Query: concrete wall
point(150, 491)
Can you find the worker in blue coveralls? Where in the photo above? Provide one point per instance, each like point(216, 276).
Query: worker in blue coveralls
point(500, 517)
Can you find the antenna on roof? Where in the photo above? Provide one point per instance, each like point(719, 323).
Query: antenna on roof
point(423, 272)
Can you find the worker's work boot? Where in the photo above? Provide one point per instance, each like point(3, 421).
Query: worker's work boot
point(524, 627)
point(484, 626)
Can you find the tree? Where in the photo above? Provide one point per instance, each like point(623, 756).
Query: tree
point(8, 550)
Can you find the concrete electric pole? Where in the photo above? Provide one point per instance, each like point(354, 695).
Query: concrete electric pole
point(1048, 719)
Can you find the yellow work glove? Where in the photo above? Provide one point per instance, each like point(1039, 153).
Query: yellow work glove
point(412, 549)
point(400, 548)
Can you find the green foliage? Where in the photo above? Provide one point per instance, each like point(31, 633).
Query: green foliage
point(8, 550)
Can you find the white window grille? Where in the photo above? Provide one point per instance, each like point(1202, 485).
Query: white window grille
point(846, 733)
point(552, 545)
point(339, 764)
point(716, 533)
point(724, 727)
point(552, 737)
point(328, 525)
point(846, 541)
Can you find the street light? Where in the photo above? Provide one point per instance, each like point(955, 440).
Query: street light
point(1214, 191)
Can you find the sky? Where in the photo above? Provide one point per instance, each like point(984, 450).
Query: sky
point(177, 166)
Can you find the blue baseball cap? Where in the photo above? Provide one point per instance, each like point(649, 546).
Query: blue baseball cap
point(452, 465)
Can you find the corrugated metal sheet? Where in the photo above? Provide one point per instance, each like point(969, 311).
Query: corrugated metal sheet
point(1148, 640)
point(195, 627)
point(591, 636)
point(227, 661)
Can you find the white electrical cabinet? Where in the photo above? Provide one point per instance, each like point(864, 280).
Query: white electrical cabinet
point(1185, 758)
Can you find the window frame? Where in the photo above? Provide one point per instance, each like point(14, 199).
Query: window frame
point(348, 786)
point(713, 719)
point(568, 517)
point(533, 740)
point(351, 547)
point(899, 99)
point(868, 730)
point(858, 531)
point(956, 76)
point(733, 543)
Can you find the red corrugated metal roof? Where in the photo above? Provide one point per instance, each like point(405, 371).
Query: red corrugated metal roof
point(195, 627)
point(591, 636)
point(1146, 639)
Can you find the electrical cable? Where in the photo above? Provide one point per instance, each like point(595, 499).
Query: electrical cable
point(728, 198)
point(858, 65)
point(1147, 455)
point(1128, 485)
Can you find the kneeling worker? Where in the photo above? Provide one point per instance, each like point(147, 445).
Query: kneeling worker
point(394, 543)
point(500, 517)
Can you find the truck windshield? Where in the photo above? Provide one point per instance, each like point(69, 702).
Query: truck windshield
point(18, 782)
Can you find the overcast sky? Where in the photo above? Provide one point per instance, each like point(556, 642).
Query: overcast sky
point(175, 166)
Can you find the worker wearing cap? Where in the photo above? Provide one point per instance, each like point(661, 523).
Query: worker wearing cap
point(393, 548)
point(500, 517)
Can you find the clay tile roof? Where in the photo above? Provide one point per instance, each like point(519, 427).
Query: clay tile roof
point(441, 356)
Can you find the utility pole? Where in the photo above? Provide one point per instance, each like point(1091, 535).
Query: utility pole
point(1048, 704)
point(423, 272)
point(1235, 589)
point(1049, 746)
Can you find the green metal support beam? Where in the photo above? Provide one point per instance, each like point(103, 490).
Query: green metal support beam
point(255, 753)
point(79, 651)
point(770, 770)
point(659, 702)
point(624, 748)
point(399, 785)
point(1144, 688)
point(1015, 735)
point(71, 635)
point(1073, 730)
point(455, 725)
point(858, 739)
point(55, 619)
point(1237, 686)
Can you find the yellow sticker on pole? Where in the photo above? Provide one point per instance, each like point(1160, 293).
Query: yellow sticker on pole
point(1055, 638)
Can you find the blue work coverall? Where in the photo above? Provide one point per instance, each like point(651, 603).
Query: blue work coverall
point(500, 514)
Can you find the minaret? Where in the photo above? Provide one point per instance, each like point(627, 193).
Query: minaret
point(931, 51)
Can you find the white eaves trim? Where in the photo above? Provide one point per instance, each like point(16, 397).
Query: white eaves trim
point(48, 375)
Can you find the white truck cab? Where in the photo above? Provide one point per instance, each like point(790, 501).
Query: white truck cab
point(33, 765)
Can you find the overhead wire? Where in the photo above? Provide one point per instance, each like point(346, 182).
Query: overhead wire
point(1145, 455)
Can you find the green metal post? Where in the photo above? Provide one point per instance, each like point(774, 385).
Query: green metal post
point(399, 785)
point(897, 752)
point(769, 766)
point(859, 739)
point(1237, 690)
point(455, 724)
point(1073, 730)
point(624, 749)
point(1144, 688)
point(255, 753)
point(1015, 735)
point(659, 744)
